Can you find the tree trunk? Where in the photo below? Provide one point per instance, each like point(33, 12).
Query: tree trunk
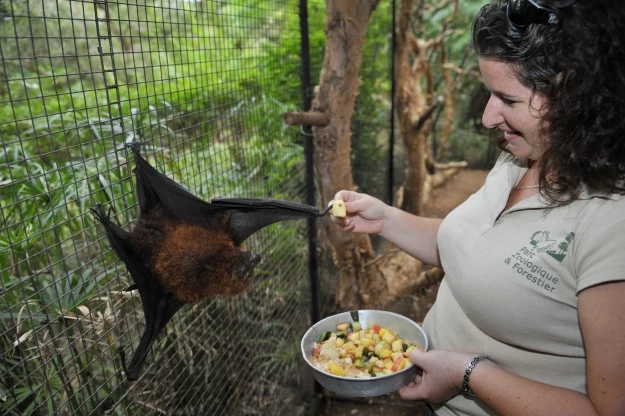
point(414, 106)
point(335, 96)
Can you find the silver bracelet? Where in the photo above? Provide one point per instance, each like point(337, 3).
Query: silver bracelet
point(467, 373)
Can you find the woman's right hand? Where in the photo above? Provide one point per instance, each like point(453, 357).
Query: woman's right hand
point(365, 214)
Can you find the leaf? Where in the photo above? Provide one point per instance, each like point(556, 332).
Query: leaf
point(23, 338)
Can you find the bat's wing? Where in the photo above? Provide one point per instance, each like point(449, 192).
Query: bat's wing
point(248, 215)
point(158, 306)
point(241, 217)
point(157, 190)
point(158, 313)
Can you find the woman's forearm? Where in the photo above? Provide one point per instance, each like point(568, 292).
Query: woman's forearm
point(512, 395)
point(412, 234)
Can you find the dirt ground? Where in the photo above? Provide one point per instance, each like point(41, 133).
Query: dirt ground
point(441, 202)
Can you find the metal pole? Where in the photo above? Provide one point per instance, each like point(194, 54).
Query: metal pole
point(308, 150)
point(391, 139)
point(310, 185)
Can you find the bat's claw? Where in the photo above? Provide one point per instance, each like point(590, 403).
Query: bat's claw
point(134, 146)
point(131, 287)
point(99, 213)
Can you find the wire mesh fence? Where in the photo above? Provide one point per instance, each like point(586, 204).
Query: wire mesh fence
point(203, 86)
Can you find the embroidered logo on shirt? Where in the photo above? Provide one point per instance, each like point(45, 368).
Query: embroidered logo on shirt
point(556, 249)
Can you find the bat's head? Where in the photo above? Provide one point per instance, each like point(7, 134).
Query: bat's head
point(242, 272)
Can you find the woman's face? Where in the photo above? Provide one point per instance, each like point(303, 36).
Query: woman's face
point(512, 108)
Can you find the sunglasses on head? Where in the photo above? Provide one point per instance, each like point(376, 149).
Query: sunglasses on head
point(527, 12)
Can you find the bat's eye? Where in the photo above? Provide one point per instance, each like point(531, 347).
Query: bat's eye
point(155, 232)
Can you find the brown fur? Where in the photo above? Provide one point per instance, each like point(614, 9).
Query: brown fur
point(190, 261)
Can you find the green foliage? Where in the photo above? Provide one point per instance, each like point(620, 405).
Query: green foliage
point(370, 125)
point(477, 149)
point(184, 79)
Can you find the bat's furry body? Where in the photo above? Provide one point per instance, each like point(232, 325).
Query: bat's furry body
point(183, 249)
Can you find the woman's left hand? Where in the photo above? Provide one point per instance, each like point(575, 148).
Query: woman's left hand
point(441, 376)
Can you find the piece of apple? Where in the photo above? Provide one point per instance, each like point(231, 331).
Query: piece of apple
point(335, 368)
point(398, 364)
point(338, 208)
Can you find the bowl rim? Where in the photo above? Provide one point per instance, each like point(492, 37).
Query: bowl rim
point(363, 379)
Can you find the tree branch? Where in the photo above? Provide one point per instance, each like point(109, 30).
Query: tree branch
point(310, 118)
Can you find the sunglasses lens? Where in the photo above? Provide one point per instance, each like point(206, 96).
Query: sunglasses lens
point(523, 13)
point(516, 12)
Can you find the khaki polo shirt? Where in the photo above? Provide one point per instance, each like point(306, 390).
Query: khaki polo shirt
point(511, 280)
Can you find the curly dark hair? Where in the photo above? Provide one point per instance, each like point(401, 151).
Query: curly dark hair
point(577, 64)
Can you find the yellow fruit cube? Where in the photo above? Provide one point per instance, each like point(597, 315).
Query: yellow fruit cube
point(354, 336)
point(342, 327)
point(358, 352)
point(365, 342)
point(385, 353)
point(389, 337)
point(338, 208)
point(396, 346)
point(378, 348)
point(397, 355)
point(335, 368)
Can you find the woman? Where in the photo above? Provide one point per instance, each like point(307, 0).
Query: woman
point(530, 317)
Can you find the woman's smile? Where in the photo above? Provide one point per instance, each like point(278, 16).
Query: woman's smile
point(512, 136)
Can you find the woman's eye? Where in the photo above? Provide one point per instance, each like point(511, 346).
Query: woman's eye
point(507, 101)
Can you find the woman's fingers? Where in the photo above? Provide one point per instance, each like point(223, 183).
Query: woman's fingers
point(346, 196)
point(346, 223)
point(412, 391)
point(363, 213)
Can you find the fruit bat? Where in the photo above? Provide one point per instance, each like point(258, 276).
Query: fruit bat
point(183, 249)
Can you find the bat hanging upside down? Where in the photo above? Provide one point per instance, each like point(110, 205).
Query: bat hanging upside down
point(183, 249)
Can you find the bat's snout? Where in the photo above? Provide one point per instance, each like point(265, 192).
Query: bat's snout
point(244, 267)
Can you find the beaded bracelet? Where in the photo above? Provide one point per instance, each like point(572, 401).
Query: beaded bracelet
point(467, 373)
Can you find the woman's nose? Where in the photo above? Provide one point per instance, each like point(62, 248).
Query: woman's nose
point(491, 116)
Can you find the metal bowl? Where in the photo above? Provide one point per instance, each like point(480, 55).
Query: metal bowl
point(373, 386)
